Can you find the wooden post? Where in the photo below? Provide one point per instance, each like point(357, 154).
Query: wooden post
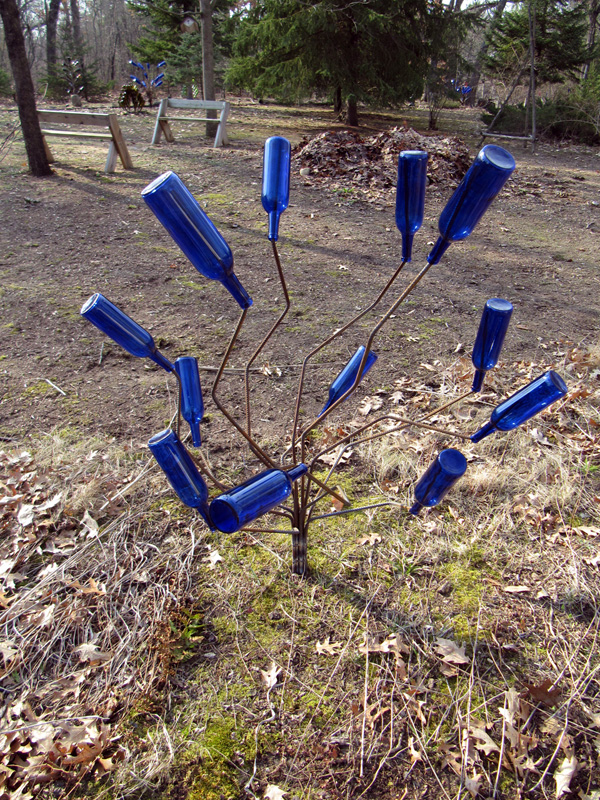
point(119, 142)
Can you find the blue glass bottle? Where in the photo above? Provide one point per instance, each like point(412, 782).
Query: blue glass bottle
point(347, 376)
point(472, 197)
point(276, 181)
point(439, 478)
point(177, 209)
point(245, 503)
point(410, 196)
point(192, 405)
point(524, 404)
point(490, 338)
point(109, 318)
point(181, 472)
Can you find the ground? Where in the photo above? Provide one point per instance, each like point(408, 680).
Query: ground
point(508, 568)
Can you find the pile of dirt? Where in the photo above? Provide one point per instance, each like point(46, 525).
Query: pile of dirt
point(366, 166)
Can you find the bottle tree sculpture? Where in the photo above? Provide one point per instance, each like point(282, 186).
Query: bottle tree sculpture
point(288, 488)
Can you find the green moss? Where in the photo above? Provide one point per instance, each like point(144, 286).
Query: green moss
point(38, 389)
point(199, 287)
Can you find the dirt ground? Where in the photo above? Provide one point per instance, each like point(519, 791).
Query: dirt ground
point(83, 231)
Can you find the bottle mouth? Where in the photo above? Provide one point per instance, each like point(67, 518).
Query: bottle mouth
point(90, 303)
point(558, 382)
point(224, 516)
point(157, 182)
point(496, 304)
point(420, 154)
point(453, 462)
point(158, 438)
point(498, 157)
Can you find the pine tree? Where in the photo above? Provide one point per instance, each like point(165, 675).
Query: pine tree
point(561, 31)
point(372, 51)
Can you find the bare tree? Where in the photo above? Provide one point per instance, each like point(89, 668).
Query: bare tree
point(30, 125)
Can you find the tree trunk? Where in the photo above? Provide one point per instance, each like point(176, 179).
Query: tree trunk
point(51, 26)
point(30, 125)
point(351, 111)
point(78, 44)
point(594, 12)
point(337, 100)
point(208, 64)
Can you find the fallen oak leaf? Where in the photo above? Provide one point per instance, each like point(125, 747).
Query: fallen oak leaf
point(564, 774)
point(328, 648)
point(484, 741)
point(543, 693)
point(451, 653)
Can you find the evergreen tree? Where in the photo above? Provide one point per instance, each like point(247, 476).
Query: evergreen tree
point(561, 32)
point(373, 51)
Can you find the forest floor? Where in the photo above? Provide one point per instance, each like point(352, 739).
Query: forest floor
point(446, 655)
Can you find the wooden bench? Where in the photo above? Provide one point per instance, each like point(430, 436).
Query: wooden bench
point(77, 119)
point(162, 118)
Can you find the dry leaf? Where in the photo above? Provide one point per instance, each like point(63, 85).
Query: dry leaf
point(542, 693)
point(517, 589)
point(484, 741)
point(90, 523)
point(270, 676)
point(371, 538)
point(564, 774)
point(332, 457)
point(327, 648)
point(415, 754)
point(25, 515)
point(90, 652)
point(273, 792)
point(213, 558)
point(472, 785)
point(451, 653)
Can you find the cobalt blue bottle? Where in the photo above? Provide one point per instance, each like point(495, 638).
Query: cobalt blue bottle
point(472, 197)
point(276, 181)
point(524, 404)
point(410, 196)
point(245, 503)
point(181, 472)
point(192, 405)
point(179, 212)
point(439, 478)
point(347, 376)
point(490, 338)
point(109, 318)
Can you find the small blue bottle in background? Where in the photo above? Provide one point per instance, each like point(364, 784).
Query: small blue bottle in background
point(524, 404)
point(192, 405)
point(181, 472)
point(490, 338)
point(245, 503)
point(123, 330)
point(439, 478)
point(347, 376)
point(410, 196)
point(276, 181)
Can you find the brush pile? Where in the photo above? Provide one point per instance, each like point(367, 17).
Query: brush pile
point(365, 167)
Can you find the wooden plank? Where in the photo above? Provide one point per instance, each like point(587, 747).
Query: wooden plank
point(105, 137)
point(111, 158)
point(158, 127)
point(221, 137)
point(119, 141)
point(74, 117)
point(506, 136)
point(176, 102)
